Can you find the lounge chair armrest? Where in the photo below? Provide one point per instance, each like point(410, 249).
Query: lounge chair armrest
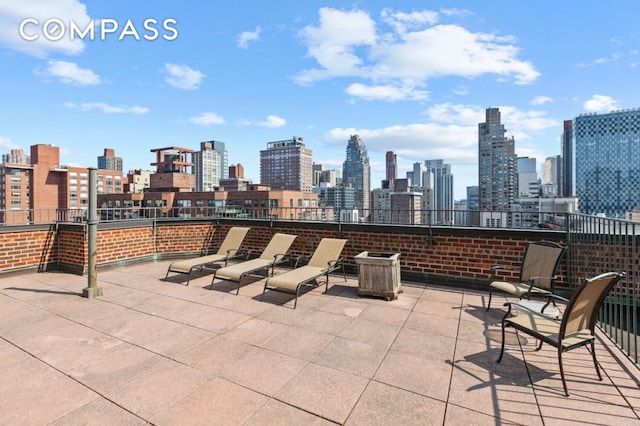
point(279, 257)
point(334, 263)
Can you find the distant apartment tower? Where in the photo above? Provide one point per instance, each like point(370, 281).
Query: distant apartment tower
point(138, 181)
point(207, 167)
point(551, 174)
point(527, 177)
point(236, 171)
point(356, 172)
point(497, 164)
point(287, 164)
point(109, 161)
point(33, 192)
point(221, 147)
point(442, 190)
point(566, 186)
point(607, 162)
point(391, 168)
point(16, 156)
point(236, 180)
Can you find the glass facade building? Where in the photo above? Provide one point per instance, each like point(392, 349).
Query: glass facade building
point(607, 162)
point(356, 172)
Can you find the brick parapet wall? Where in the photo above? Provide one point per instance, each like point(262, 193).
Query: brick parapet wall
point(452, 255)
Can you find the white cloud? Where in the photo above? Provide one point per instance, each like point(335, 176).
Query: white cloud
point(614, 57)
point(245, 37)
point(7, 144)
point(12, 13)
point(600, 103)
point(207, 118)
point(183, 77)
point(541, 100)
point(106, 108)
point(70, 73)
point(272, 121)
point(418, 140)
point(413, 51)
point(385, 92)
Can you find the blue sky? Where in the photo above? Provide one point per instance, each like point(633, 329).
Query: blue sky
point(414, 77)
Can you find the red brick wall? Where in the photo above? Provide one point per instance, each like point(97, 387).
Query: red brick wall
point(453, 252)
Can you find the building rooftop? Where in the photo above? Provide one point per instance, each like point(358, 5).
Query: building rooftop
point(160, 352)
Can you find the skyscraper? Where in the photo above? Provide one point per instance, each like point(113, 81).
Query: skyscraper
point(356, 172)
point(566, 184)
point(442, 190)
point(607, 162)
point(527, 177)
point(392, 168)
point(287, 164)
point(109, 161)
point(221, 147)
point(497, 164)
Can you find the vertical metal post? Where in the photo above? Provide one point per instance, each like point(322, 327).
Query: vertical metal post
point(92, 235)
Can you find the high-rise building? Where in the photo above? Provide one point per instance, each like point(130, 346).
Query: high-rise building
point(527, 177)
point(287, 164)
point(356, 172)
point(207, 167)
point(566, 186)
point(442, 190)
point(392, 168)
point(607, 162)
point(109, 161)
point(497, 164)
point(221, 147)
point(551, 174)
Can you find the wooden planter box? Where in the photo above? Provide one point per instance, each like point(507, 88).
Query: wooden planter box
point(378, 274)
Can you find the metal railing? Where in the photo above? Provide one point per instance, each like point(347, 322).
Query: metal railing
point(595, 244)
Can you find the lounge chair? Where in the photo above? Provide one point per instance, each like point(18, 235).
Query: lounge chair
point(229, 249)
point(326, 259)
point(276, 252)
point(537, 272)
point(575, 329)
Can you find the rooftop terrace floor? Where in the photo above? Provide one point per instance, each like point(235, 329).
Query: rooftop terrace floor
point(150, 351)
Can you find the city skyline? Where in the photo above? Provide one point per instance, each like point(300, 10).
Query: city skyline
point(412, 79)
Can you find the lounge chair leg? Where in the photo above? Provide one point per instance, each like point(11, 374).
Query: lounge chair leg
point(489, 302)
point(564, 382)
point(295, 303)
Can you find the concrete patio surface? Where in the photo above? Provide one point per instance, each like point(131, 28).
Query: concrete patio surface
point(158, 352)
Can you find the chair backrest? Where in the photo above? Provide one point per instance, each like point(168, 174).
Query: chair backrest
point(279, 244)
point(582, 309)
point(541, 259)
point(328, 249)
point(233, 240)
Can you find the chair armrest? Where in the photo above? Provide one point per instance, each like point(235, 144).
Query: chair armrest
point(534, 312)
point(495, 268)
point(278, 257)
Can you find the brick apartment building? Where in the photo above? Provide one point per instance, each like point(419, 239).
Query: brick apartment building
point(33, 187)
point(171, 194)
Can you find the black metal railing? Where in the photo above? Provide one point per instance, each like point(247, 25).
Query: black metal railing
point(595, 244)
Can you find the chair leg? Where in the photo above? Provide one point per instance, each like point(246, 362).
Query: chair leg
point(502, 344)
point(489, 302)
point(564, 382)
point(595, 361)
point(295, 303)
